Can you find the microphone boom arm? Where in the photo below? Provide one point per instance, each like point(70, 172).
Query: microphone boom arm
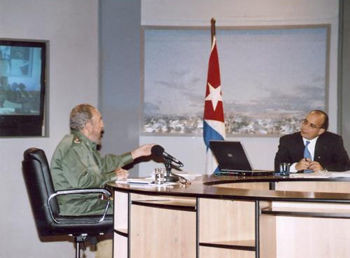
point(169, 176)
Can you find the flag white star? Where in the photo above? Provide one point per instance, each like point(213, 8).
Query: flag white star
point(214, 95)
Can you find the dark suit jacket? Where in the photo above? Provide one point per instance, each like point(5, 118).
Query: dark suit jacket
point(329, 151)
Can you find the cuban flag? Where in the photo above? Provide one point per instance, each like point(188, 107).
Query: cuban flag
point(213, 120)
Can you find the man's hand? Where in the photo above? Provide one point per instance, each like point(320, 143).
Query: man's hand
point(303, 164)
point(143, 150)
point(122, 174)
point(308, 164)
point(315, 166)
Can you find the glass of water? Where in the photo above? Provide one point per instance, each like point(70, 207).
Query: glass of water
point(284, 168)
point(159, 176)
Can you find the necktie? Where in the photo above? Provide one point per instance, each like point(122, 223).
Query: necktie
point(307, 155)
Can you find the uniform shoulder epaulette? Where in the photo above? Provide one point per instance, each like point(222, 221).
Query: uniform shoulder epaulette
point(76, 140)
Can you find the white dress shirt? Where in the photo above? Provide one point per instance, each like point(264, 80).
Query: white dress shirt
point(311, 148)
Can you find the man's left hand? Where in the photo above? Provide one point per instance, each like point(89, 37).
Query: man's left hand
point(315, 166)
point(122, 174)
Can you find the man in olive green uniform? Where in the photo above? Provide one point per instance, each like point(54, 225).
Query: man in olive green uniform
point(76, 162)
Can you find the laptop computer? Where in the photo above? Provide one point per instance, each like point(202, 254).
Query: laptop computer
point(233, 160)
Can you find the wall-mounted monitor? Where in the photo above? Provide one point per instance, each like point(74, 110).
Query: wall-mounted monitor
point(22, 87)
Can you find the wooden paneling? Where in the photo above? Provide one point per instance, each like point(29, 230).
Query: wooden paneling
point(160, 233)
point(267, 232)
point(121, 211)
point(224, 220)
point(312, 237)
point(120, 246)
point(208, 252)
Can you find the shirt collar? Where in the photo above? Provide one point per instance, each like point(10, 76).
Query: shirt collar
point(313, 141)
point(84, 139)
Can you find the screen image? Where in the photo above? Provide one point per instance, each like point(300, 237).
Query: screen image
point(20, 80)
point(22, 87)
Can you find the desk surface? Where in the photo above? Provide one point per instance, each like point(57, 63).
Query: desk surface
point(214, 187)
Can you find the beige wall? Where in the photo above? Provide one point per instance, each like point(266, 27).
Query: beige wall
point(71, 27)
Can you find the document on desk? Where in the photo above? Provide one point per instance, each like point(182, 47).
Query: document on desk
point(139, 181)
point(144, 182)
point(321, 174)
point(339, 174)
point(310, 175)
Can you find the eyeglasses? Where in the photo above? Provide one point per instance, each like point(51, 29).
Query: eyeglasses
point(313, 126)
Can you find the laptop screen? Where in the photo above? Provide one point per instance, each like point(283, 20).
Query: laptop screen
point(230, 156)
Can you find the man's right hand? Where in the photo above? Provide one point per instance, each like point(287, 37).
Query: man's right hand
point(143, 150)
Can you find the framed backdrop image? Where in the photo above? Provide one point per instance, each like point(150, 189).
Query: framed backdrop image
point(270, 78)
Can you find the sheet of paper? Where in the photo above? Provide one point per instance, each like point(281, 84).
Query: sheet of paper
point(339, 174)
point(310, 175)
point(321, 174)
point(144, 182)
point(141, 181)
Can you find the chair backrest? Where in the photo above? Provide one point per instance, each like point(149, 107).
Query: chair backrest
point(39, 185)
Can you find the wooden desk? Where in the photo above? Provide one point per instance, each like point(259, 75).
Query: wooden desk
point(234, 217)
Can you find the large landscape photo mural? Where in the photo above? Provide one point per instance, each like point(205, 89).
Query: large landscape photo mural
point(270, 77)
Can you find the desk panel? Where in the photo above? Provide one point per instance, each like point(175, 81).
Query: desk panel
point(235, 217)
point(160, 232)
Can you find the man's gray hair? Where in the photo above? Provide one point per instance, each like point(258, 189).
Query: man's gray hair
point(80, 115)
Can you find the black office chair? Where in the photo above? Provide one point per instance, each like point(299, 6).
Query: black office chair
point(45, 207)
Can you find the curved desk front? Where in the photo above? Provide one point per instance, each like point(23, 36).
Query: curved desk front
point(234, 217)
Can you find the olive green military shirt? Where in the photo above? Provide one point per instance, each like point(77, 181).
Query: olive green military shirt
point(76, 163)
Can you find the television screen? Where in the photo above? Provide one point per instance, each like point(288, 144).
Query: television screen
point(22, 87)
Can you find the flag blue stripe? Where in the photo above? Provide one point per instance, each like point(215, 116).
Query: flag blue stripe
point(209, 134)
point(217, 171)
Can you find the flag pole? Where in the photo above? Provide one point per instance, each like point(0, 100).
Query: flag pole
point(213, 118)
point(212, 21)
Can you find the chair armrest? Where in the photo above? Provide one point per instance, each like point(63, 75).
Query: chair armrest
point(80, 191)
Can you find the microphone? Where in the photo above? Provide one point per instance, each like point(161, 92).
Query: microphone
point(158, 151)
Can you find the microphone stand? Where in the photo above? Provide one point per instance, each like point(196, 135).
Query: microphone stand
point(168, 175)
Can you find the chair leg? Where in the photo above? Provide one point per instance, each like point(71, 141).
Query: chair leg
point(77, 249)
point(78, 241)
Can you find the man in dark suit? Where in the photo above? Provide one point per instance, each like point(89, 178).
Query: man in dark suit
point(313, 148)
